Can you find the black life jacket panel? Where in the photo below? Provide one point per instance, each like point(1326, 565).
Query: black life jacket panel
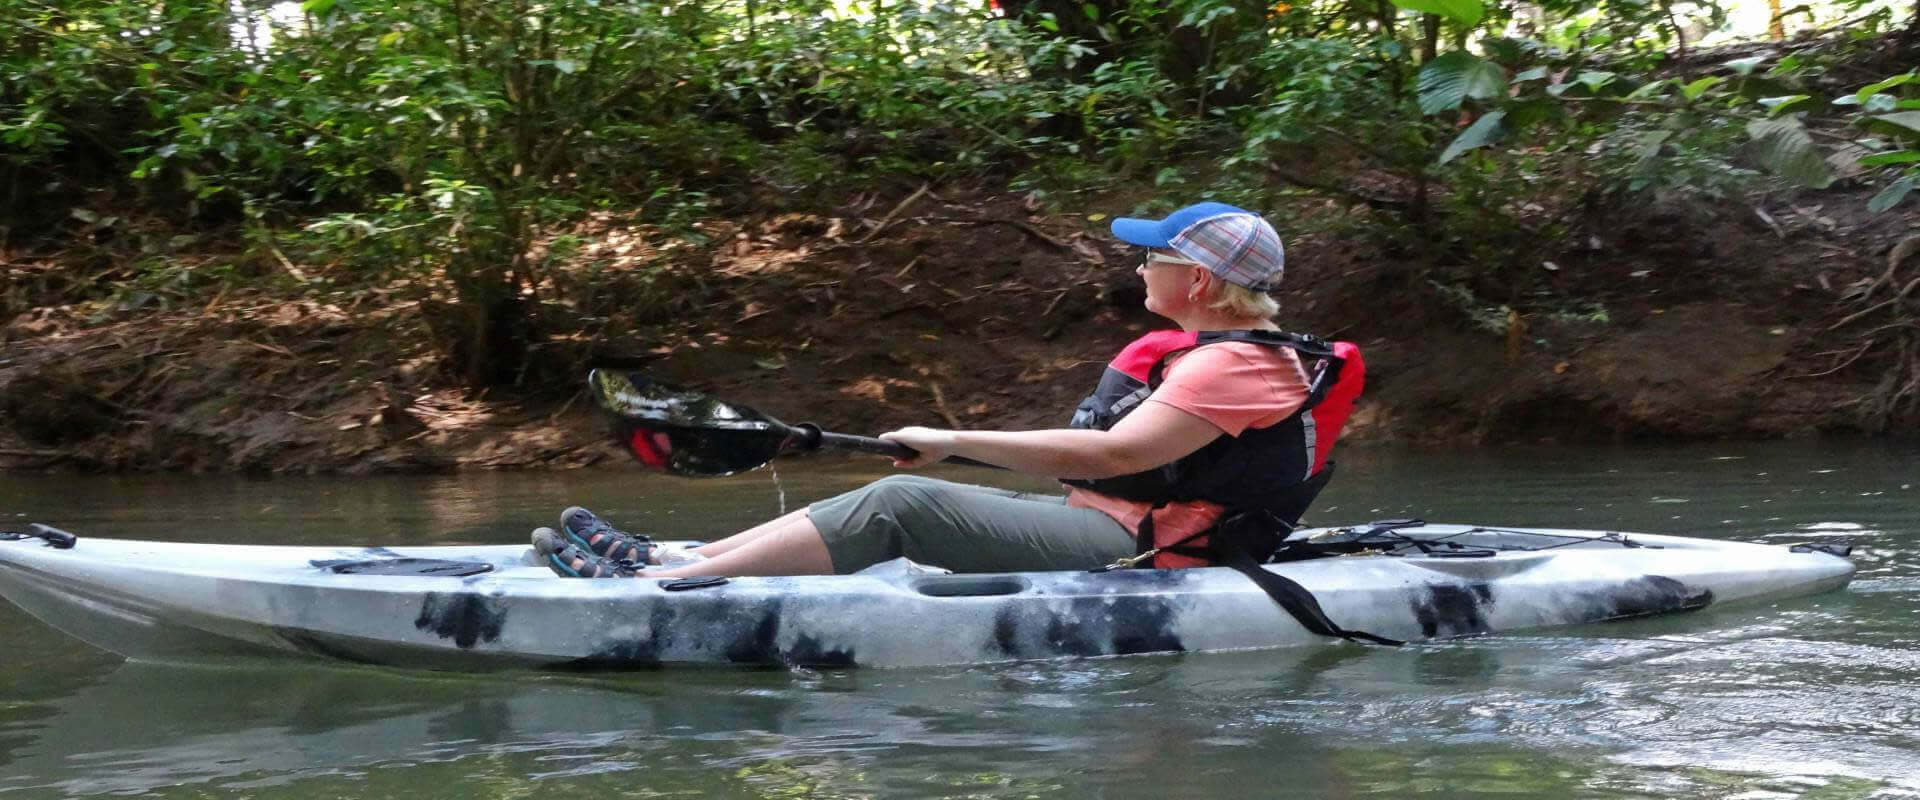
point(1253, 471)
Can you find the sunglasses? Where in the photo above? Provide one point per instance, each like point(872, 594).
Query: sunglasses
point(1156, 259)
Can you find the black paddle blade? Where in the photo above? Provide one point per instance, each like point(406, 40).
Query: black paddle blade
point(683, 432)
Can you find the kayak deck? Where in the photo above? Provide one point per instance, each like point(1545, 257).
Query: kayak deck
point(176, 601)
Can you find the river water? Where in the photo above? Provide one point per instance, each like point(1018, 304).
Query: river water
point(1816, 697)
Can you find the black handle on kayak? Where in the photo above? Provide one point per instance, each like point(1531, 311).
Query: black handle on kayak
point(55, 537)
point(811, 437)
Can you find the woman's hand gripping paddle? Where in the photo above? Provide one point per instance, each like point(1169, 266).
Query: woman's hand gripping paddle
point(686, 433)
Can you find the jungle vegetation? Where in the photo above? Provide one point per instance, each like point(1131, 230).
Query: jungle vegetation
point(433, 148)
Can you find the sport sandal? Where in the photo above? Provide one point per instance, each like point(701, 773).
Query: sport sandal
point(569, 561)
point(597, 536)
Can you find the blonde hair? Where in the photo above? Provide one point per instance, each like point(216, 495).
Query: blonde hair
point(1241, 301)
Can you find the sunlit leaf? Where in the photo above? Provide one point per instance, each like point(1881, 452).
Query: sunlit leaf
point(1895, 157)
point(1480, 134)
point(1649, 90)
point(1746, 66)
point(1692, 91)
point(1447, 81)
point(1875, 88)
point(1465, 12)
point(1594, 80)
point(1783, 104)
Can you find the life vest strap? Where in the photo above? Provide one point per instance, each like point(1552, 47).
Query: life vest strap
point(1297, 601)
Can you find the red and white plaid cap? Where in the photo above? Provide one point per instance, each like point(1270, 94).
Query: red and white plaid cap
point(1233, 243)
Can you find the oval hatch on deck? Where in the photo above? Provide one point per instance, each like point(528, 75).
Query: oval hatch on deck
point(970, 585)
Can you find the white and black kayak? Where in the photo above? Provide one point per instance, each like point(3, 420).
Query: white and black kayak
point(495, 607)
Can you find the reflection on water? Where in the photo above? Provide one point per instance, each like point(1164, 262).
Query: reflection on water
point(1812, 697)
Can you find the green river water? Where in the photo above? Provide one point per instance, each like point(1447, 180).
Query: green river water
point(1811, 698)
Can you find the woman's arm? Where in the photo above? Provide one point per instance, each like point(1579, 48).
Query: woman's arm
point(1154, 434)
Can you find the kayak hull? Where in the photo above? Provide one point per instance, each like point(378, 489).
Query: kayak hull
point(193, 602)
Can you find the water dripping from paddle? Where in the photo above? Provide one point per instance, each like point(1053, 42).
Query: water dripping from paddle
point(779, 490)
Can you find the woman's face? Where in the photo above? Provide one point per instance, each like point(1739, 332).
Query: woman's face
point(1169, 278)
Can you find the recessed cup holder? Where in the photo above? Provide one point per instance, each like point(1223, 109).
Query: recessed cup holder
point(971, 585)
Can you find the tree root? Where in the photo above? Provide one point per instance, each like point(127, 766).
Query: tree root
point(1891, 347)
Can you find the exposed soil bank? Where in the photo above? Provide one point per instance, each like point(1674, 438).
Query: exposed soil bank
point(968, 309)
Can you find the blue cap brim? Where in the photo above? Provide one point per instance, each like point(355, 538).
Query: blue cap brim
point(1143, 232)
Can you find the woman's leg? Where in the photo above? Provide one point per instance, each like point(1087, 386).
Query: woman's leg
point(787, 521)
point(720, 547)
point(790, 545)
point(962, 527)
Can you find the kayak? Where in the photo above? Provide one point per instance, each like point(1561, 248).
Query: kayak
point(497, 607)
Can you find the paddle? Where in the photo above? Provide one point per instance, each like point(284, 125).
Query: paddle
point(683, 432)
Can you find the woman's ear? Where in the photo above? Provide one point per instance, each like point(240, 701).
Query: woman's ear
point(1199, 286)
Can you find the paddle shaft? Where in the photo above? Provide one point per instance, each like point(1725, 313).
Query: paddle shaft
point(868, 444)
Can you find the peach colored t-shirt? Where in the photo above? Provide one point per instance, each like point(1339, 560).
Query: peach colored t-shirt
point(1234, 386)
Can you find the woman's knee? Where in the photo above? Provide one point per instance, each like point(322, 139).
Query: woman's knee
point(904, 501)
point(900, 482)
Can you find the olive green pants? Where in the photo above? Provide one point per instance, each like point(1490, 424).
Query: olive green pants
point(964, 528)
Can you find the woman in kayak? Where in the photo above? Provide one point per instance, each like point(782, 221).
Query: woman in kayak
point(1207, 267)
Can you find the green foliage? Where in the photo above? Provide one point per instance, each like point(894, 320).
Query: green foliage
point(1451, 79)
point(436, 144)
point(1481, 133)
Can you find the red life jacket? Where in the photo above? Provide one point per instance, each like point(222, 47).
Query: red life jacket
point(1265, 477)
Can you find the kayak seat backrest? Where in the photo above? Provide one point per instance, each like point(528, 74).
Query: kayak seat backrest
point(1329, 420)
point(1330, 416)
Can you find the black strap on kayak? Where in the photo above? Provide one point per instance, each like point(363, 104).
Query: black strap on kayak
point(1285, 592)
point(55, 537)
point(1295, 599)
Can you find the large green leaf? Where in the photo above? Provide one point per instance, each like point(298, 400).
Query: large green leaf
point(1481, 133)
point(1900, 123)
point(1784, 148)
point(1896, 157)
point(1881, 86)
point(1892, 195)
point(1533, 74)
point(1784, 103)
point(1695, 89)
point(1452, 78)
point(1465, 12)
